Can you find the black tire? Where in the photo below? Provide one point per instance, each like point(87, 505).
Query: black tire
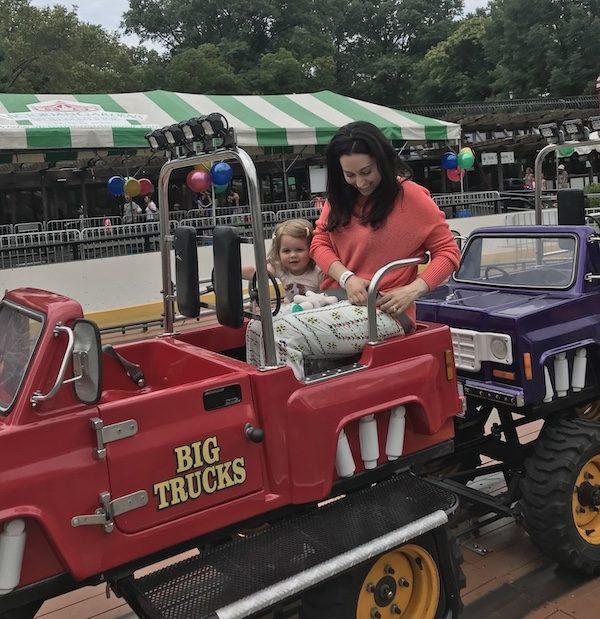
point(339, 598)
point(551, 498)
point(27, 611)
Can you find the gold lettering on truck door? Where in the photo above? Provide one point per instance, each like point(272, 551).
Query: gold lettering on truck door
point(207, 474)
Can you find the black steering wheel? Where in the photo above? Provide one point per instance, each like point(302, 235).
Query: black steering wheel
point(253, 292)
point(492, 267)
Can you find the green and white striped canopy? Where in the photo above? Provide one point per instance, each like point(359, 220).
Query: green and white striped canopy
point(45, 122)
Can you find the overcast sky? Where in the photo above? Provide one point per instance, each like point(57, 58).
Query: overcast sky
point(108, 13)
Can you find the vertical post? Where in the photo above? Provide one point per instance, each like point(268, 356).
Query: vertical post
point(45, 198)
point(285, 183)
point(500, 171)
point(84, 200)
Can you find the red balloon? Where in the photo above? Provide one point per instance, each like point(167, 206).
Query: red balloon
point(455, 175)
point(198, 180)
point(146, 186)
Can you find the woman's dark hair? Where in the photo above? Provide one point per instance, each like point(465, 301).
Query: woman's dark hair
point(365, 139)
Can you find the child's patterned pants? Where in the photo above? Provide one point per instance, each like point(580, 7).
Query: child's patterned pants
point(339, 330)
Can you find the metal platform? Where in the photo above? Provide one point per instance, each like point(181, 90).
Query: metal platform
point(244, 576)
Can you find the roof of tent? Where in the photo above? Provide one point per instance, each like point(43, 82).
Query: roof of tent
point(45, 122)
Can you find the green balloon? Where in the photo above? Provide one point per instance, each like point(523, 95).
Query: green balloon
point(466, 160)
point(565, 151)
point(221, 188)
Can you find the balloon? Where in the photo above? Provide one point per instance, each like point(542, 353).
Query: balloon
point(449, 161)
point(132, 187)
point(198, 180)
point(221, 173)
point(221, 188)
point(146, 186)
point(466, 159)
point(115, 185)
point(565, 151)
point(455, 175)
point(202, 166)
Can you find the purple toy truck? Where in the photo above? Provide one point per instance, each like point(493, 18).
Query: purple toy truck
point(524, 311)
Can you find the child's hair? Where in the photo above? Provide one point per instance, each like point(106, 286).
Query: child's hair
point(296, 228)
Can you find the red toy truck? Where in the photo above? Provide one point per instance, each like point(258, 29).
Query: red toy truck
point(114, 458)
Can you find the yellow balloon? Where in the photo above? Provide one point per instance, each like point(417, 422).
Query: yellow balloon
point(202, 166)
point(132, 187)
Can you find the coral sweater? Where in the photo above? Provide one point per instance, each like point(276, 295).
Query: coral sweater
point(414, 226)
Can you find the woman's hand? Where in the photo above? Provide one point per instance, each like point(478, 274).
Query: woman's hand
point(398, 299)
point(357, 290)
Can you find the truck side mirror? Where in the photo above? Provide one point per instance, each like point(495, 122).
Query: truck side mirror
point(228, 276)
point(87, 361)
point(186, 271)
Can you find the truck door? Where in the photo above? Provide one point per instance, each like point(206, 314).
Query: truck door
point(189, 453)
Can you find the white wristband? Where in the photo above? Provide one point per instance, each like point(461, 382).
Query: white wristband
point(344, 277)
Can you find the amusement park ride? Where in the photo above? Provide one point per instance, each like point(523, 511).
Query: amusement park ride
point(326, 491)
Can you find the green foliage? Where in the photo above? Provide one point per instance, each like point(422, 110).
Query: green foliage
point(457, 68)
point(388, 51)
point(50, 50)
point(542, 47)
point(592, 201)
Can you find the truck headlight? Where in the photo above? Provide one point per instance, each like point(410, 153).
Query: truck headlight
point(498, 348)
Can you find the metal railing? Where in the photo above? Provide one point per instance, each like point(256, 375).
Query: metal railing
point(537, 104)
point(66, 240)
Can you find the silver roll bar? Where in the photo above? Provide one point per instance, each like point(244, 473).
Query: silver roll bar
point(374, 287)
point(538, 171)
point(166, 239)
point(38, 396)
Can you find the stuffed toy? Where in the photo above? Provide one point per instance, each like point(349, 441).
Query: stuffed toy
point(312, 300)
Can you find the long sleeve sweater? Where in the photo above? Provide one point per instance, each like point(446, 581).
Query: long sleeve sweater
point(414, 226)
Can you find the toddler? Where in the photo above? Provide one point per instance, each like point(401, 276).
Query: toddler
point(288, 259)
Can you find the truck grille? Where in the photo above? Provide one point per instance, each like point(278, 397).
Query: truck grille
point(465, 349)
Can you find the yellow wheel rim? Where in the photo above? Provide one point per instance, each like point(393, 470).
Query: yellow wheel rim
point(402, 583)
point(586, 496)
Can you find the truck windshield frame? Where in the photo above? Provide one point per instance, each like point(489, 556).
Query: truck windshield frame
point(20, 333)
point(526, 261)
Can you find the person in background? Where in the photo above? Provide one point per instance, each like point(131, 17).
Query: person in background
point(563, 177)
point(529, 179)
point(372, 216)
point(233, 198)
point(130, 210)
point(204, 204)
point(151, 208)
point(318, 201)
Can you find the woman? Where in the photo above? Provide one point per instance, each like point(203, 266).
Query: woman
point(371, 217)
point(529, 179)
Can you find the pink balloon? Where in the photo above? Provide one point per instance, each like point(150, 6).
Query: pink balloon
point(198, 180)
point(455, 175)
point(146, 186)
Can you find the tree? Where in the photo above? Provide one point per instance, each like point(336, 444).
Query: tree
point(202, 70)
point(456, 69)
point(50, 50)
point(543, 47)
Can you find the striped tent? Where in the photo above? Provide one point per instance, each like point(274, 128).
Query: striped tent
point(31, 122)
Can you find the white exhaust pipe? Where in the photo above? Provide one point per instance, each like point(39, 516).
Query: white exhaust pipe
point(369, 443)
point(344, 462)
point(579, 369)
point(561, 374)
point(395, 438)
point(12, 548)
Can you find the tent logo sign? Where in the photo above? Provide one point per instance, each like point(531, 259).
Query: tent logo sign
point(61, 113)
point(58, 105)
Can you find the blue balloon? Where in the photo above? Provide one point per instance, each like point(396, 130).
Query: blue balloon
point(221, 173)
point(449, 161)
point(116, 185)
